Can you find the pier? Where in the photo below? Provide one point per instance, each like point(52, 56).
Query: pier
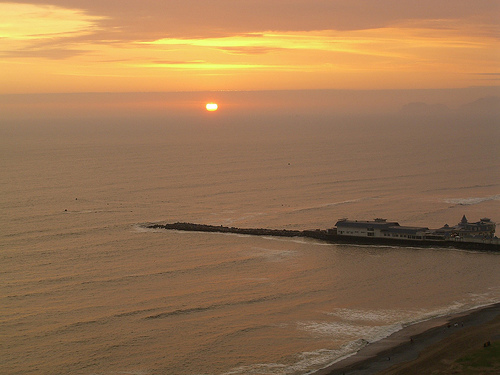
point(329, 236)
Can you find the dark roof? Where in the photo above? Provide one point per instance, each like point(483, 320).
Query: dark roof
point(407, 230)
point(365, 224)
point(390, 226)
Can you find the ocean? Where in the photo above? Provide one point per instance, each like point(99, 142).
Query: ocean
point(86, 289)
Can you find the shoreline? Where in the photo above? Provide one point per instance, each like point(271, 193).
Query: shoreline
point(407, 344)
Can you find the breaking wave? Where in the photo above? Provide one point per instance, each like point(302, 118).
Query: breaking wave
point(305, 361)
point(472, 201)
point(333, 204)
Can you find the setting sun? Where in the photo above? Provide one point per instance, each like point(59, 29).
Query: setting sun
point(211, 107)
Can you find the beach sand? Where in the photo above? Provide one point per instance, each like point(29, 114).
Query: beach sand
point(429, 347)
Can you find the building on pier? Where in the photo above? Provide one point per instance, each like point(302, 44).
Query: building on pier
point(379, 228)
point(483, 229)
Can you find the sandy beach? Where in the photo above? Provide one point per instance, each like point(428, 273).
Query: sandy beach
point(428, 347)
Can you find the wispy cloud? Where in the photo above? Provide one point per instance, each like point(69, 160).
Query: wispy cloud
point(429, 42)
point(45, 53)
point(35, 22)
point(29, 30)
point(388, 42)
point(143, 20)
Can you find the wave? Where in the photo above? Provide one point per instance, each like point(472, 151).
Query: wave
point(304, 241)
point(345, 329)
point(50, 286)
point(461, 188)
point(172, 272)
point(305, 361)
point(101, 320)
point(472, 201)
point(272, 255)
point(181, 312)
point(217, 306)
point(379, 316)
point(245, 217)
point(332, 204)
point(371, 334)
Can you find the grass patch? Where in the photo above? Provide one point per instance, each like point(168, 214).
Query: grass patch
point(487, 357)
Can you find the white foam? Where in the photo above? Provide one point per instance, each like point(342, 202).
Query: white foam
point(380, 316)
point(141, 228)
point(472, 201)
point(323, 357)
point(359, 333)
point(485, 298)
point(273, 255)
point(332, 204)
point(310, 241)
point(354, 327)
point(348, 330)
point(260, 368)
point(306, 361)
point(388, 320)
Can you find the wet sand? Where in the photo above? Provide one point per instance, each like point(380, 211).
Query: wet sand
point(429, 346)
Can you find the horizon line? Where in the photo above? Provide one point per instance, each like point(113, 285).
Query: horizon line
point(252, 91)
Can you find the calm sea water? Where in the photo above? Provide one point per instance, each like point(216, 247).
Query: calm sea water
point(84, 289)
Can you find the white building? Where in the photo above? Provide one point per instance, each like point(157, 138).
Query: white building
point(379, 228)
point(484, 228)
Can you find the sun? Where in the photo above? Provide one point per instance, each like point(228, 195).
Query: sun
point(211, 107)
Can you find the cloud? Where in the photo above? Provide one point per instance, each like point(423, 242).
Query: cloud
point(145, 20)
point(376, 43)
point(47, 53)
point(125, 21)
point(31, 22)
point(254, 50)
point(252, 43)
point(177, 62)
point(30, 30)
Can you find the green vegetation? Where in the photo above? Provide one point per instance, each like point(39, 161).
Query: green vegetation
point(484, 358)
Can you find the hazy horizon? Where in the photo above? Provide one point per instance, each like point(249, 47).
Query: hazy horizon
point(480, 101)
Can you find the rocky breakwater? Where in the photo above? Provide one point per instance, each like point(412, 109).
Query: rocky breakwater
point(191, 227)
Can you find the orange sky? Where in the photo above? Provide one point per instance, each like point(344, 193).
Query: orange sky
point(194, 45)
